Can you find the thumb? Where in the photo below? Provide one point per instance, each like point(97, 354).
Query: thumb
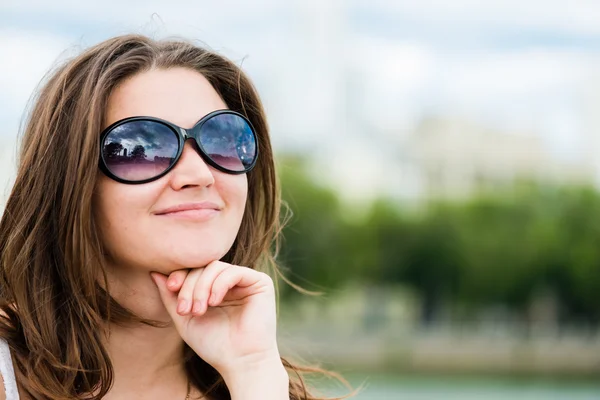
point(168, 298)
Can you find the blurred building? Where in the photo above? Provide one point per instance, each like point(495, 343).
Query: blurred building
point(590, 99)
point(458, 157)
point(443, 157)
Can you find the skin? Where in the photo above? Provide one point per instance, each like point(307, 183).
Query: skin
point(166, 267)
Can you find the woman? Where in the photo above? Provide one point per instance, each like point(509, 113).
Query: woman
point(144, 207)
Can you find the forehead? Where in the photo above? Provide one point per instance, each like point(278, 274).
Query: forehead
point(179, 95)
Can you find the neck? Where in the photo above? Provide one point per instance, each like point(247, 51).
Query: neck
point(143, 357)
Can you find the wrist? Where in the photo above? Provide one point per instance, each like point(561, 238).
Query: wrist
point(267, 360)
point(260, 380)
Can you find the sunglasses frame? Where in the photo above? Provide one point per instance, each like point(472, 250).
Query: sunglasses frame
point(182, 135)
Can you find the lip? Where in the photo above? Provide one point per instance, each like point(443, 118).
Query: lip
point(201, 211)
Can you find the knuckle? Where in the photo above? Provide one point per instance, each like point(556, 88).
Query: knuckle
point(186, 283)
point(215, 264)
point(183, 296)
point(266, 277)
point(197, 297)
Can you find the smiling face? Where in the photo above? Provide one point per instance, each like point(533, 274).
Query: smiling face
point(143, 226)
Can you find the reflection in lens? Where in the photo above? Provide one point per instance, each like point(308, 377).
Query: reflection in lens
point(229, 141)
point(139, 150)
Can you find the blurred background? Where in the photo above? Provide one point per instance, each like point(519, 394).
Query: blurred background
point(440, 161)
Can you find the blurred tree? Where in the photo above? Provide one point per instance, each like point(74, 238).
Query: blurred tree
point(311, 250)
point(494, 249)
point(575, 271)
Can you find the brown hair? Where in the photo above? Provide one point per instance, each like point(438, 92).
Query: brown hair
point(54, 309)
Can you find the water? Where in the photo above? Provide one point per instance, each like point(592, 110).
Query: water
point(431, 388)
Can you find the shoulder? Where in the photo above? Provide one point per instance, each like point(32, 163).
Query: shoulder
point(5, 356)
point(8, 386)
point(2, 390)
point(3, 363)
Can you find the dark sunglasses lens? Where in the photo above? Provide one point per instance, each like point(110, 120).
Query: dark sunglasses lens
point(139, 150)
point(229, 141)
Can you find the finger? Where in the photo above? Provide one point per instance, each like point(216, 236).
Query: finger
point(185, 297)
point(168, 298)
point(247, 279)
point(176, 279)
point(203, 285)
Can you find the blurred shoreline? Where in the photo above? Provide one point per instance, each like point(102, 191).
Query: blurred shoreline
point(347, 334)
point(448, 354)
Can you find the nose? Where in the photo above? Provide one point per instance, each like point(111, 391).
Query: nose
point(191, 170)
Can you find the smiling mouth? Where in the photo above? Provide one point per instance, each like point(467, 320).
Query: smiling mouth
point(198, 214)
point(191, 211)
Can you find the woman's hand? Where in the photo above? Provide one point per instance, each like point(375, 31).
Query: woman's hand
point(226, 314)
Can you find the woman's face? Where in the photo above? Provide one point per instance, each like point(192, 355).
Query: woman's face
point(135, 231)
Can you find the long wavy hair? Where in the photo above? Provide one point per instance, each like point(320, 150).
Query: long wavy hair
point(54, 310)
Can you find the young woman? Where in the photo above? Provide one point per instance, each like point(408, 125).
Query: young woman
point(136, 240)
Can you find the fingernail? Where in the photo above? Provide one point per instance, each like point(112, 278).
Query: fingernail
point(172, 283)
point(182, 306)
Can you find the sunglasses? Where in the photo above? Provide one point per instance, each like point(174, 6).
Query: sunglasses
point(142, 149)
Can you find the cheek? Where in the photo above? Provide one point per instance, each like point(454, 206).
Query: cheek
point(135, 238)
point(234, 192)
point(118, 211)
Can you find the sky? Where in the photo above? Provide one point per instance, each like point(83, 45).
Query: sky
point(328, 69)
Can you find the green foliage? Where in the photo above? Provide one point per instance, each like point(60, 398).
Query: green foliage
point(311, 238)
point(493, 249)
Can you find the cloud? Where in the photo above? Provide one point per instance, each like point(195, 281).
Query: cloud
point(402, 64)
point(580, 17)
point(322, 70)
point(402, 80)
point(138, 10)
point(389, 78)
point(202, 19)
point(28, 57)
point(511, 73)
point(515, 89)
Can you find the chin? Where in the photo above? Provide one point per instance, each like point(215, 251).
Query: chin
point(198, 258)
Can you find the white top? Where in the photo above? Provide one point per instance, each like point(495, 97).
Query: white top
point(7, 371)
